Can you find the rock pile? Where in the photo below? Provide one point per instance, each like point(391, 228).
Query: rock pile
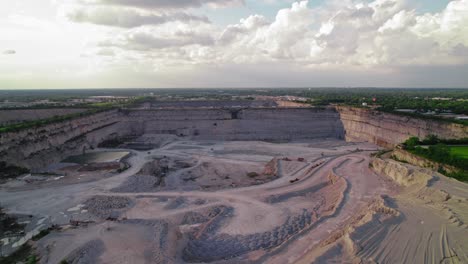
point(107, 206)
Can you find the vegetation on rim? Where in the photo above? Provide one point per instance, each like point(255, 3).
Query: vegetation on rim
point(438, 150)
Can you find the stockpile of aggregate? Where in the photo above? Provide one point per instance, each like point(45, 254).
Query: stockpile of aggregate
point(107, 206)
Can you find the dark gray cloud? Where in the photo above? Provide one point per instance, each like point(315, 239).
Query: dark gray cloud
point(9, 52)
point(166, 3)
point(128, 18)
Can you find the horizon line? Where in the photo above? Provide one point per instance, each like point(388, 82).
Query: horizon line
point(253, 87)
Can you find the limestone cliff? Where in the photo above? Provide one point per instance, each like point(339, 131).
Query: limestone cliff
point(265, 124)
point(389, 130)
point(37, 147)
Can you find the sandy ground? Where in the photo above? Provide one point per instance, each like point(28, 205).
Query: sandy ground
point(193, 202)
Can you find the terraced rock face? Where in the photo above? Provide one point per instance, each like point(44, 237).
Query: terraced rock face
point(38, 147)
point(388, 130)
point(239, 124)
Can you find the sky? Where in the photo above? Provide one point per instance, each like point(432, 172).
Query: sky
point(233, 43)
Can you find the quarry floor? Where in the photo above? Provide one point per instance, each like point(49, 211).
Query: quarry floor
point(193, 202)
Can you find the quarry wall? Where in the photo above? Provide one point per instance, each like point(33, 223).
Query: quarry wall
point(38, 147)
point(239, 124)
point(389, 130)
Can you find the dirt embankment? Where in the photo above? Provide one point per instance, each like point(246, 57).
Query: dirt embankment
point(402, 174)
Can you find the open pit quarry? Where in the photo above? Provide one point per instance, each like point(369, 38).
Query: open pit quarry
point(263, 184)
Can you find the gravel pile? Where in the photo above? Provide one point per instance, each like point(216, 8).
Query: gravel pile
point(107, 206)
point(138, 183)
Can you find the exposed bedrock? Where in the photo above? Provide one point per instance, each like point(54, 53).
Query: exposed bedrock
point(37, 147)
point(239, 124)
point(388, 130)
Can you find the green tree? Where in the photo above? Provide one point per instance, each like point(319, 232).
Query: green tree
point(431, 140)
point(412, 142)
point(439, 152)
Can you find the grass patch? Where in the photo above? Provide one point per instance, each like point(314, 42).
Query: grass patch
point(437, 150)
point(459, 151)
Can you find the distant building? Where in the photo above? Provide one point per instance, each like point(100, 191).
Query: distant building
point(441, 98)
point(406, 110)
